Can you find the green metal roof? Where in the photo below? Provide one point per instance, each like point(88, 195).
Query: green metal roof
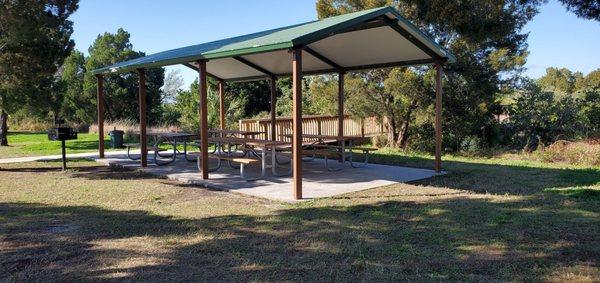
point(265, 41)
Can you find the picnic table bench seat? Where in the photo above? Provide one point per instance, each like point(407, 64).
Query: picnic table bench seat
point(243, 161)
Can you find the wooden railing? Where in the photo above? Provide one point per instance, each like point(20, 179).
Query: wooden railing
point(321, 125)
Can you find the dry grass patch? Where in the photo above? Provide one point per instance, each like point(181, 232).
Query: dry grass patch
point(95, 223)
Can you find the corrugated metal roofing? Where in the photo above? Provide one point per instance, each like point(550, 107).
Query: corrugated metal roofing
point(270, 40)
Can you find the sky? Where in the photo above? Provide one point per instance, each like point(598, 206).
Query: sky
point(557, 38)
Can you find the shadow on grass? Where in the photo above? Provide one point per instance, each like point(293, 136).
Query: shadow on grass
point(451, 239)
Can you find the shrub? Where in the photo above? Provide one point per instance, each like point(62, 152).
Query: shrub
point(585, 153)
point(29, 125)
point(131, 128)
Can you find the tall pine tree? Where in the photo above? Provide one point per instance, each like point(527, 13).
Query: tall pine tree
point(35, 38)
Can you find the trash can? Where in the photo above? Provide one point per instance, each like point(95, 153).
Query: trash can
point(116, 138)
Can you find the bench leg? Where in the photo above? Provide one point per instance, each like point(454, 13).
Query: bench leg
point(131, 156)
point(263, 168)
point(274, 163)
point(310, 158)
point(199, 164)
point(333, 169)
point(186, 155)
point(361, 164)
point(161, 162)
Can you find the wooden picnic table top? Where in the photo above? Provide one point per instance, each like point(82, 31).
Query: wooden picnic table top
point(236, 132)
point(326, 137)
point(171, 134)
point(250, 142)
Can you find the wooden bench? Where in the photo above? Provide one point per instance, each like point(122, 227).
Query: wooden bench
point(243, 161)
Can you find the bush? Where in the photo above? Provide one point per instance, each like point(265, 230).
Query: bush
point(29, 125)
point(131, 128)
point(585, 153)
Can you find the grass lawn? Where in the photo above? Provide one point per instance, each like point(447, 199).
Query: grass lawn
point(37, 144)
point(487, 220)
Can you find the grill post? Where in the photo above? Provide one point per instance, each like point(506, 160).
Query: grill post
point(64, 155)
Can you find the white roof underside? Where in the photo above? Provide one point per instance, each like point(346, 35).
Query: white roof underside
point(351, 50)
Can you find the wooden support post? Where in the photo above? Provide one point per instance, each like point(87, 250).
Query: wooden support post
point(273, 80)
point(100, 115)
point(142, 106)
point(438, 117)
point(340, 129)
point(297, 122)
point(340, 104)
point(203, 119)
point(222, 105)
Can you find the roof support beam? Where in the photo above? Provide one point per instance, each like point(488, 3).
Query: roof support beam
point(372, 66)
point(394, 24)
point(324, 59)
point(297, 123)
point(393, 64)
point(196, 69)
point(438, 117)
point(203, 90)
point(100, 93)
point(254, 66)
point(143, 111)
point(368, 25)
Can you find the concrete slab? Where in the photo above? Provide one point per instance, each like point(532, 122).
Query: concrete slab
point(318, 182)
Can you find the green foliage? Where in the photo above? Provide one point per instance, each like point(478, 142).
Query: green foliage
point(490, 51)
point(541, 116)
point(590, 113)
point(187, 103)
point(74, 104)
point(587, 9)
point(120, 90)
point(35, 38)
point(560, 80)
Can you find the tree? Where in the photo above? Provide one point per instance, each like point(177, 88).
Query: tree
point(34, 41)
point(74, 104)
point(587, 9)
point(173, 86)
point(121, 91)
point(559, 80)
point(187, 103)
point(590, 82)
point(486, 38)
point(540, 116)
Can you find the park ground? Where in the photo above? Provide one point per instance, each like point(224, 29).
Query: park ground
point(486, 220)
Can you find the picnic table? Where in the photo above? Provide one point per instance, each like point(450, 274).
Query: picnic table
point(249, 148)
point(321, 145)
point(235, 133)
point(171, 138)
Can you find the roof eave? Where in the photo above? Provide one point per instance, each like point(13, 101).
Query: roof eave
point(450, 58)
point(205, 56)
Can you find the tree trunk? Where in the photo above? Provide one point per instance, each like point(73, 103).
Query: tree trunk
point(3, 128)
point(403, 136)
point(392, 135)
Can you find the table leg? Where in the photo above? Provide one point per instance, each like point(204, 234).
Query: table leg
point(344, 151)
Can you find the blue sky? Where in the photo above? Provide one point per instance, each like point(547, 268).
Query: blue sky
point(557, 37)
